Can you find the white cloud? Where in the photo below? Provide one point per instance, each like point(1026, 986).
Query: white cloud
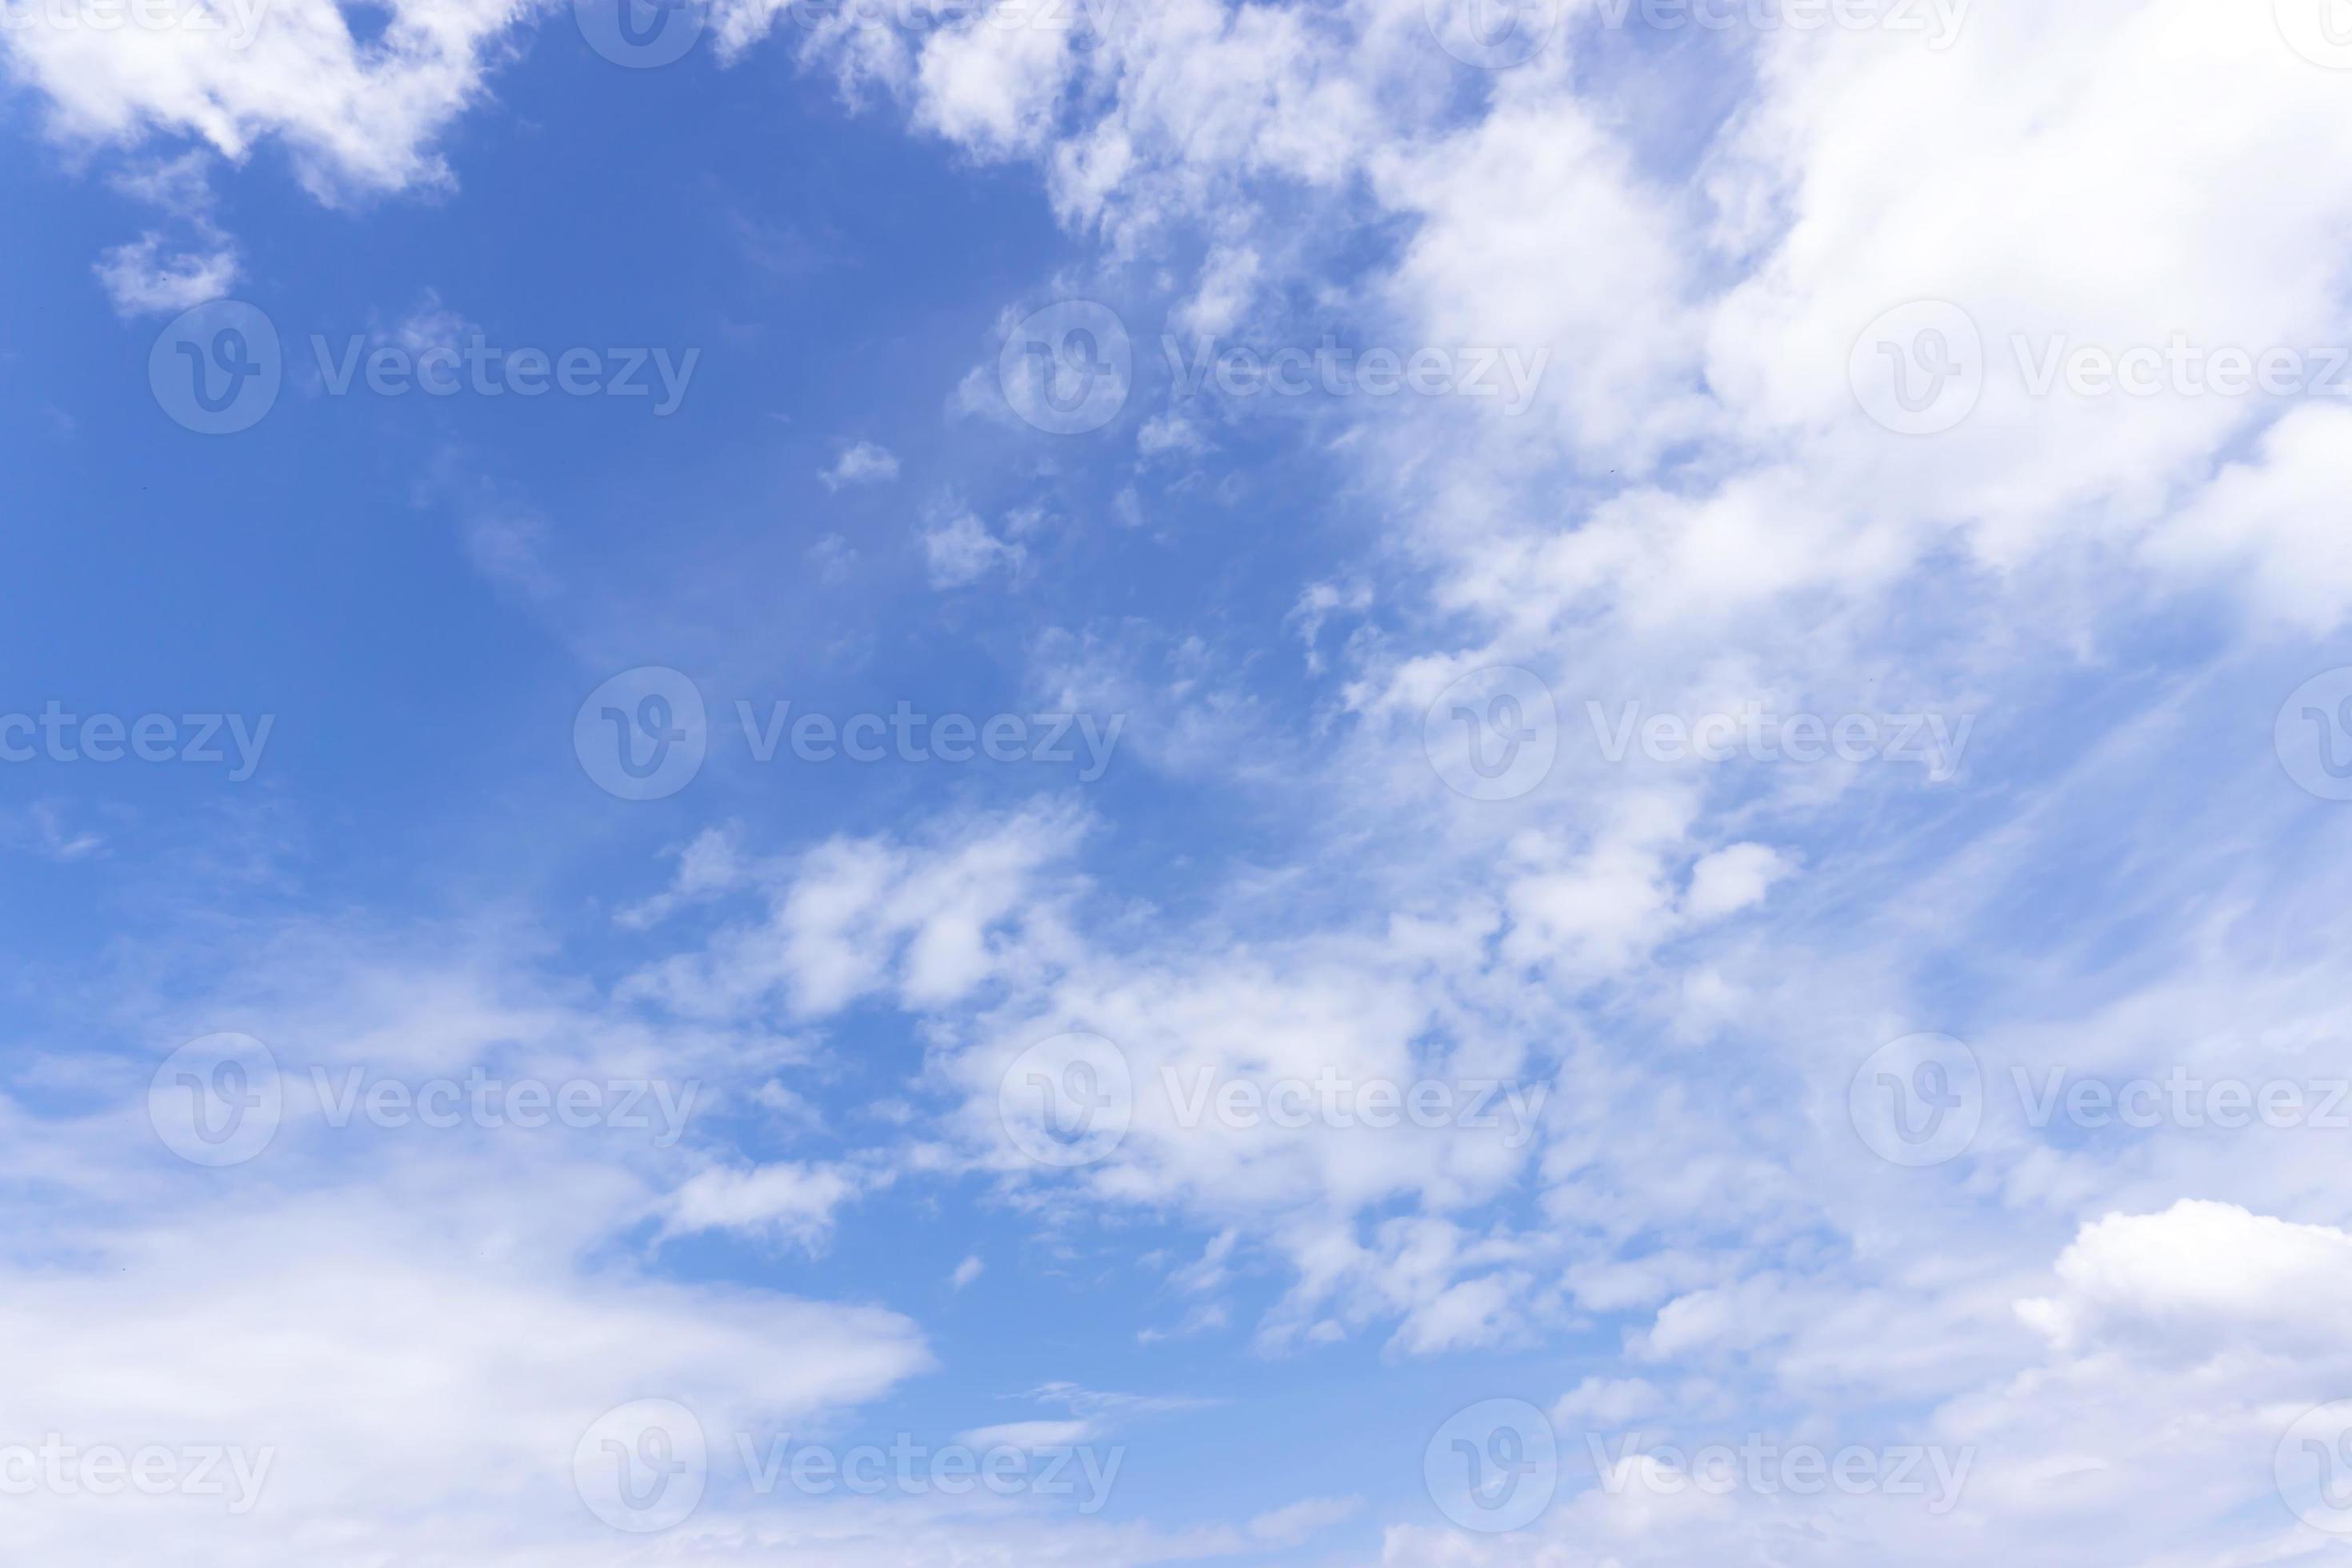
point(864, 463)
point(794, 1201)
point(2196, 1274)
point(142, 280)
point(927, 925)
point(356, 118)
point(960, 550)
point(1732, 880)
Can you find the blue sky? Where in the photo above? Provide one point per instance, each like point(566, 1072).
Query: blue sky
point(1751, 602)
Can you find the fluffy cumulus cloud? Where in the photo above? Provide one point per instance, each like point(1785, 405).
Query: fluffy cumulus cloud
point(357, 117)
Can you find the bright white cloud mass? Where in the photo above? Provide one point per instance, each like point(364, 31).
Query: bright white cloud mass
point(1425, 783)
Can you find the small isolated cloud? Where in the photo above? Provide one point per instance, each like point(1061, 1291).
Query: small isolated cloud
point(430, 324)
point(1171, 432)
point(153, 274)
point(967, 1271)
point(508, 546)
point(1029, 1435)
point(143, 278)
point(1295, 1524)
point(1733, 880)
point(960, 551)
point(833, 558)
point(43, 831)
point(791, 1202)
point(863, 464)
